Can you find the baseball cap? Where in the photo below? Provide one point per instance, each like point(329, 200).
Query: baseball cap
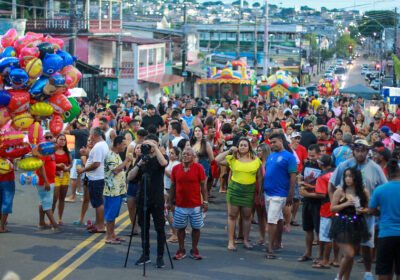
point(295, 134)
point(361, 142)
point(386, 130)
point(383, 152)
point(150, 107)
point(126, 119)
point(82, 121)
point(295, 107)
point(212, 111)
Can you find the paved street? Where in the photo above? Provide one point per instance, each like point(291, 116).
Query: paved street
point(75, 254)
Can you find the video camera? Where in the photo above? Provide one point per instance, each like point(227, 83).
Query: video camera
point(146, 150)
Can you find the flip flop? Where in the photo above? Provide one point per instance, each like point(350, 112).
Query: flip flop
point(248, 247)
point(270, 256)
point(316, 260)
point(334, 264)
point(120, 239)
point(113, 242)
point(320, 266)
point(232, 249)
point(95, 230)
point(259, 243)
point(304, 259)
point(294, 223)
point(239, 240)
point(77, 223)
point(5, 231)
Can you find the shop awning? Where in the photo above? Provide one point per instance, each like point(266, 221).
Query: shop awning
point(164, 80)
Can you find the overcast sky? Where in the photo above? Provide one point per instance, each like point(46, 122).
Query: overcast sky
point(362, 5)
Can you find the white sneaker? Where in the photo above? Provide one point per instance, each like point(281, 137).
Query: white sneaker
point(337, 277)
point(368, 276)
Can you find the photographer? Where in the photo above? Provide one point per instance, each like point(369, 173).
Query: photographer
point(152, 162)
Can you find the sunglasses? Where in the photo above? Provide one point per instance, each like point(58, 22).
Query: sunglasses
point(48, 137)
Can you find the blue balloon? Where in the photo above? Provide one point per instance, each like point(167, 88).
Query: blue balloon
point(66, 57)
point(8, 52)
point(47, 148)
point(36, 89)
point(5, 98)
point(18, 78)
point(52, 63)
point(7, 64)
point(279, 81)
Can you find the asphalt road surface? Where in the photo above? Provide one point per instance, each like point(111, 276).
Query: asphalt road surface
point(76, 254)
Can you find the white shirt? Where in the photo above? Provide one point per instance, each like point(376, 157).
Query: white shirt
point(167, 180)
point(97, 154)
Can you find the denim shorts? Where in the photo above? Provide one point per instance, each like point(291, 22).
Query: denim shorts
point(96, 188)
point(46, 197)
point(132, 190)
point(7, 191)
point(74, 173)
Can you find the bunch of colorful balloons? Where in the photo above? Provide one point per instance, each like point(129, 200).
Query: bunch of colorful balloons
point(328, 87)
point(35, 78)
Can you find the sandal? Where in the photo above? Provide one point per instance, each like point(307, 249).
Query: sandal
point(239, 240)
point(248, 247)
point(270, 256)
point(113, 242)
point(120, 239)
point(304, 259)
point(334, 264)
point(95, 230)
point(232, 249)
point(320, 266)
point(259, 243)
point(316, 260)
point(294, 223)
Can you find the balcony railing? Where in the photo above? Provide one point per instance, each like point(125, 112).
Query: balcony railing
point(124, 72)
point(64, 25)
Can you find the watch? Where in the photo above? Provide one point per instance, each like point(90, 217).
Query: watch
point(206, 202)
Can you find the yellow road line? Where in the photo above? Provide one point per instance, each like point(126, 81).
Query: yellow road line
point(73, 252)
point(88, 254)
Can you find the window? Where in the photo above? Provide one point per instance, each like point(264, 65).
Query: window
point(152, 56)
point(160, 55)
point(143, 58)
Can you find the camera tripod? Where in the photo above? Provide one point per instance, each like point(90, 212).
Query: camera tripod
point(145, 179)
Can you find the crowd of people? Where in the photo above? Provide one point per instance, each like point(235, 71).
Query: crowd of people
point(267, 156)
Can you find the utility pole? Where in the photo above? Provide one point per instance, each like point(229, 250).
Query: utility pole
point(395, 45)
point(72, 41)
point(255, 41)
point(300, 54)
point(184, 46)
point(14, 9)
point(238, 32)
point(266, 37)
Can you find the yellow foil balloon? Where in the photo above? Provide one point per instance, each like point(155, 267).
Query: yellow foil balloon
point(34, 68)
point(23, 121)
point(41, 109)
point(30, 164)
point(5, 166)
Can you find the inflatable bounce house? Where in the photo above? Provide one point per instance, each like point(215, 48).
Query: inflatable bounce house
point(279, 85)
point(234, 79)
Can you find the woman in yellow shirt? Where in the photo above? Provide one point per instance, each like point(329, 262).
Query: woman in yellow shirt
point(246, 170)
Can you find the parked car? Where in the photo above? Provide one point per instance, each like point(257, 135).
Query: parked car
point(311, 89)
point(302, 91)
point(328, 74)
point(376, 84)
point(364, 71)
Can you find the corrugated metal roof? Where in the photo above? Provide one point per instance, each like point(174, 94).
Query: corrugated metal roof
point(134, 40)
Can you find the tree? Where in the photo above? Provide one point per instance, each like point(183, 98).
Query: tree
point(237, 3)
point(342, 45)
point(374, 20)
point(256, 5)
point(327, 54)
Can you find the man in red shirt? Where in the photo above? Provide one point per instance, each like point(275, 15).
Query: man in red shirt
point(45, 189)
point(188, 186)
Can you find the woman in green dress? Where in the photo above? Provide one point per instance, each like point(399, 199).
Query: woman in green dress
point(246, 170)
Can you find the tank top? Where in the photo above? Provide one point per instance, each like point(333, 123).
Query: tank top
point(61, 159)
point(108, 138)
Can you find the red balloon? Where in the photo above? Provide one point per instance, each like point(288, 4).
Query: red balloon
point(56, 124)
point(19, 101)
point(16, 151)
point(60, 103)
